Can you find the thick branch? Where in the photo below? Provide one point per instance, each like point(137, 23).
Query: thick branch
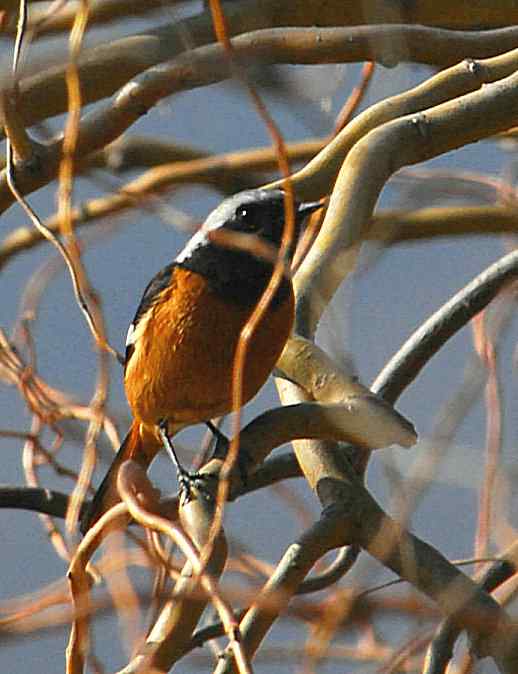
point(43, 94)
point(373, 160)
point(44, 501)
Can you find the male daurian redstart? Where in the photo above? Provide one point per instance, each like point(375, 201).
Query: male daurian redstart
point(181, 345)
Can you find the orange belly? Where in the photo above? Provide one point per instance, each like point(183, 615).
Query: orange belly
point(181, 367)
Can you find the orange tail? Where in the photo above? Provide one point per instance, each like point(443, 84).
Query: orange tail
point(141, 446)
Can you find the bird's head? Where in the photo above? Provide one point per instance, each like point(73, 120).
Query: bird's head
point(250, 217)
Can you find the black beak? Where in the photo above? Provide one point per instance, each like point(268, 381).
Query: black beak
point(306, 208)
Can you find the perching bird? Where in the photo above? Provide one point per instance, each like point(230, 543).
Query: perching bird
point(181, 345)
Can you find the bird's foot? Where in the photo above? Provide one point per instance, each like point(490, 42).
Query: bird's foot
point(187, 482)
point(192, 484)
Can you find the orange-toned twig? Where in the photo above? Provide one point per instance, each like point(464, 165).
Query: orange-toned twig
point(45, 232)
point(487, 354)
point(248, 330)
point(355, 97)
point(79, 641)
point(30, 449)
point(148, 519)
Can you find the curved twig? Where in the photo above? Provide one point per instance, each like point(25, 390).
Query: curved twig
point(44, 95)
point(404, 367)
point(440, 650)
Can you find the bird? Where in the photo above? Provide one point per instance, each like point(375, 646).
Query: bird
point(181, 344)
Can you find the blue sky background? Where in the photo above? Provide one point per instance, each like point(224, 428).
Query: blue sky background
point(369, 319)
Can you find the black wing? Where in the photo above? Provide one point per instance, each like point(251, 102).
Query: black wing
point(153, 290)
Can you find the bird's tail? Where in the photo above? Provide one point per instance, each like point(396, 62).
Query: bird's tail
point(140, 445)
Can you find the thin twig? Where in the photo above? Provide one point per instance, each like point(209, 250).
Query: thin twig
point(404, 367)
point(262, 306)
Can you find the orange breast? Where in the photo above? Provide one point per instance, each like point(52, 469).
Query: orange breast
point(181, 368)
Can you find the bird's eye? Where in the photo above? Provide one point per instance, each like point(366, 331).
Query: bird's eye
point(248, 218)
point(241, 212)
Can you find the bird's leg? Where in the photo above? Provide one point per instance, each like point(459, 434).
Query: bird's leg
point(221, 450)
point(222, 442)
point(186, 480)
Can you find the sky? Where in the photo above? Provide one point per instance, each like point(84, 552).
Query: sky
point(371, 316)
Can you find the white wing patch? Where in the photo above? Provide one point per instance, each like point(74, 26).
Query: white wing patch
point(131, 337)
point(134, 342)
